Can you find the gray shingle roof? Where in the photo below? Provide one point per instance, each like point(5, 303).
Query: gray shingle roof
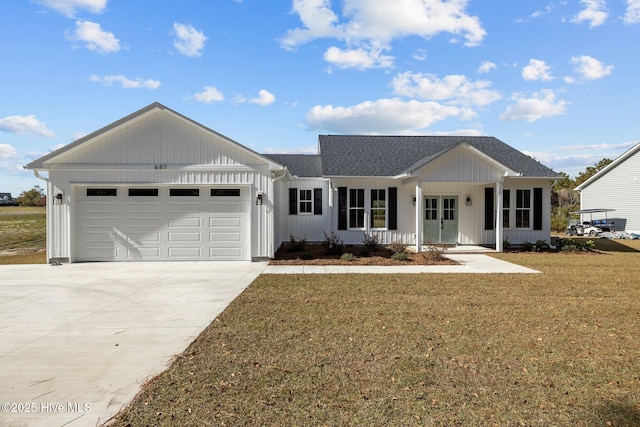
point(357, 155)
point(301, 165)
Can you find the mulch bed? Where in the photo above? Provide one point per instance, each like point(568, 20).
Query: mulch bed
point(316, 254)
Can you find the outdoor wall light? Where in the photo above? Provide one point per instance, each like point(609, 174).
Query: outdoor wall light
point(59, 198)
point(414, 201)
point(469, 202)
point(259, 199)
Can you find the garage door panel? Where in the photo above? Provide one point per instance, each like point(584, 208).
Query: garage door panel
point(143, 253)
point(143, 208)
point(225, 222)
point(225, 253)
point(143, 222)
point(232, 238)
point(184, 208)
point(101, 223)
point(185, 253)
point(185, 237)
point(97, 208)
point(144, 237)
point(185, 222)
point(222, 208)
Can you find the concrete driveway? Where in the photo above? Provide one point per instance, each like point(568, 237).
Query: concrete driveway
point(77, 341)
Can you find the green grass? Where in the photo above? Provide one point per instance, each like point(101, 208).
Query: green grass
point(558, 348)
point(22, 235)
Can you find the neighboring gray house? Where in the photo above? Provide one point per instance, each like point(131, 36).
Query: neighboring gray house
point(156, 185)
point(617, 186)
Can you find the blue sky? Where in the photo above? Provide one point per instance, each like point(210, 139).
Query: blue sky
point(557, 80)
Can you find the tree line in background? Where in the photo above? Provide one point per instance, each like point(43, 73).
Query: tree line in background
point(564, 198)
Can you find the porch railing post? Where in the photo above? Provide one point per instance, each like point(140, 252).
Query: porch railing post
point(499, 218)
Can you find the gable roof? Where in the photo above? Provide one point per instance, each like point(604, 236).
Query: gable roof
point(138, 115)
point(300, 165)
point(629, 153)
point(357, 155)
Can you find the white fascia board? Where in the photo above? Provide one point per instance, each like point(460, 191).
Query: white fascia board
point(630, 152)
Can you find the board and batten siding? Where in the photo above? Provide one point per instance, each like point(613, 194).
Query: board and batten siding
point(310, 227)
point(617, 189)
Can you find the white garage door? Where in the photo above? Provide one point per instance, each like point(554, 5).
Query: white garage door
point(162, 223)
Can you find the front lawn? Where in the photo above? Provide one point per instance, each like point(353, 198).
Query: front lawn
point(22, 235)
point(559, 348)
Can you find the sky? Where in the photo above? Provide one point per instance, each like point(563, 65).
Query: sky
point(557, 80)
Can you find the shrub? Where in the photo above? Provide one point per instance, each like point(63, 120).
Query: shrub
point(527, 246)
point(400, 256)
point(397, 247)
point(541, 245)
point(296, 244)
point(371, 241)
point(571, 245)
point(332, 243)
point(348, 257)
point(433, 253)
point(365, 251)
point(506, 244)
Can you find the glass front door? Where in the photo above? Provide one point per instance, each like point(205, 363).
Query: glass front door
point(441, 219)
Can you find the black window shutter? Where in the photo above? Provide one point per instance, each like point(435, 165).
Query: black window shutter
point(342, 208)
point(293, 201)
point(537, 208)
point(489, 202)
point(393, 208)
point(317, 201)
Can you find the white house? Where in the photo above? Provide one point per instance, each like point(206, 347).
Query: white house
point(158, 186)
point(617, 186)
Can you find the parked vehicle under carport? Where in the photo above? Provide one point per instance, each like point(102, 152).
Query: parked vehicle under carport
point(580, 227)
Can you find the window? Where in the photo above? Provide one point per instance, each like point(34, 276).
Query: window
point(306, 202)
point(431, 209)
point(143, 192)
point(356, 208)
point(225, 192)
point(102, 192)
point(448, 209)
point(506, 208)
point(182, 192)
point(523, 208)
point(378, 209)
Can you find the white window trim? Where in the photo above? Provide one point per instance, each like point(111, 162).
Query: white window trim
point(516, 209)
point(310, 201)
point(386, 207)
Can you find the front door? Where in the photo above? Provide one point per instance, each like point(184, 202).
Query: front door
point(441, 219)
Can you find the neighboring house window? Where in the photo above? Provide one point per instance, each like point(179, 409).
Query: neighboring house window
point(378, 208)
point(523, 208)
point(506, 208)
point(356, 208)
point(306, 202)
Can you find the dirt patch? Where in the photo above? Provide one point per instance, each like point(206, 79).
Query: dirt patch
point(316, 254)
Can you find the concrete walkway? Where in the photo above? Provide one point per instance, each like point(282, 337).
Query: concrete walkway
point(77, 341)
point(467, 263)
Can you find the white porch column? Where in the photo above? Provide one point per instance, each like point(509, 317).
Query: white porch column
point(499, 218)
point(419, 219)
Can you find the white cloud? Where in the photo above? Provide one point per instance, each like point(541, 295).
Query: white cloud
point(384, 116)
point(189, 41)
point(590, 68)
point(25, 124)
point(594, 12)
point(8, 152)
point(264, 98)
point(208, 95)
point(486, 66)
point(70, 7)
point(311, 149)
point(455, 89)
point(632, 16)
point(95, 37)
point(541, 105)
point(536, 70)
point(357, 58)
point(126, 82)
point(372, 25)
